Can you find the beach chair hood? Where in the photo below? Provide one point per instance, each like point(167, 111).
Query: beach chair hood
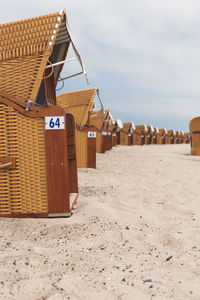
point(78, 103)
point(32, 50)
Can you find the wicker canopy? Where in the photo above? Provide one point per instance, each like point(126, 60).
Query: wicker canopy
point(78, 103)
point(107, 120)
point(26, 48)
point(128, 127)
point(97, 119)
point(162, 131)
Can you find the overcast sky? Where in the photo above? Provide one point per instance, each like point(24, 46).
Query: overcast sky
point(144, 55)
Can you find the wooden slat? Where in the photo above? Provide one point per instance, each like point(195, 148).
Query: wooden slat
point(6, 160)
point(91, 156)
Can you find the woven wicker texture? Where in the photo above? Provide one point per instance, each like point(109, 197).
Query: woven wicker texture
point(24, 52)
point(24, 189)
point(96, 119)
point(107, 120)
point(126, 127)
point(78, 103)
point(170, 132)
point(111, 126)
point(139, 127)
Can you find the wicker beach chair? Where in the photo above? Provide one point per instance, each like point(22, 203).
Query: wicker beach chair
point(111, 128)
point(112, 141)
point(181, 133)
point(154, 135)
point(169, 138)
point(149, 134)
point(96, 120)
point(36, 136)
point(79, 104)
point(118, 126)
point(139, 133)
point(34, 172)
point(195, 136)
point(107, 127)
point(126, 134)
point(186, 138)
point(176, 137)
point(161, 136)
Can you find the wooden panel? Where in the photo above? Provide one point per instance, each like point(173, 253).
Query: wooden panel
point(114, 139)
point(71, 149)
point(110, 141)
point(123, 138)
point(98, 142)
point(147, 139)
point(130, 140)
point(103, 143)
point(91, 157)
point(134, 141)
point(118, 137)
point(7, 163)
point(81, 148)
point(57, 171)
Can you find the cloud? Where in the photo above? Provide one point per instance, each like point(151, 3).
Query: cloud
point(143, 54)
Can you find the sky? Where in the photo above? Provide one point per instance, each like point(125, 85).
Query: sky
point(143, 55)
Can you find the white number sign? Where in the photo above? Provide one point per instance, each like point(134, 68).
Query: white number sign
point(54, 123)
point(91, 134)
point(104, 133)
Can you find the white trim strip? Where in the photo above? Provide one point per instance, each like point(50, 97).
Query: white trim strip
point(61, 62)
point(59, 215)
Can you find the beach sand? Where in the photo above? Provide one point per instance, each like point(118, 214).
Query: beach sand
point(135, 233)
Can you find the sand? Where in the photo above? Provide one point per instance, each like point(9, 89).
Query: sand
point(134, 234)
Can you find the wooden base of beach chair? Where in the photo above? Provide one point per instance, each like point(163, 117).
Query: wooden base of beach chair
point(118, 137)
point(167, 140)
point(101, 141)
point(176, 140)
point(126, 139)
point(86, 148)
point(148, 139)
point(114, 139)
point(195, 136)
point(35, 169)
point(141, 140)
point(71, 150)
point(154, 139)
point(109, 141)
point(186, 139)
point(161, 140)
point(181, 140)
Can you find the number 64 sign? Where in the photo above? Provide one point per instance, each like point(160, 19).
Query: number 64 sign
point(54, 123)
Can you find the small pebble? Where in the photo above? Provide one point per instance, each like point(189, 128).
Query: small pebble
point(147, 280)
point(168, 258)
